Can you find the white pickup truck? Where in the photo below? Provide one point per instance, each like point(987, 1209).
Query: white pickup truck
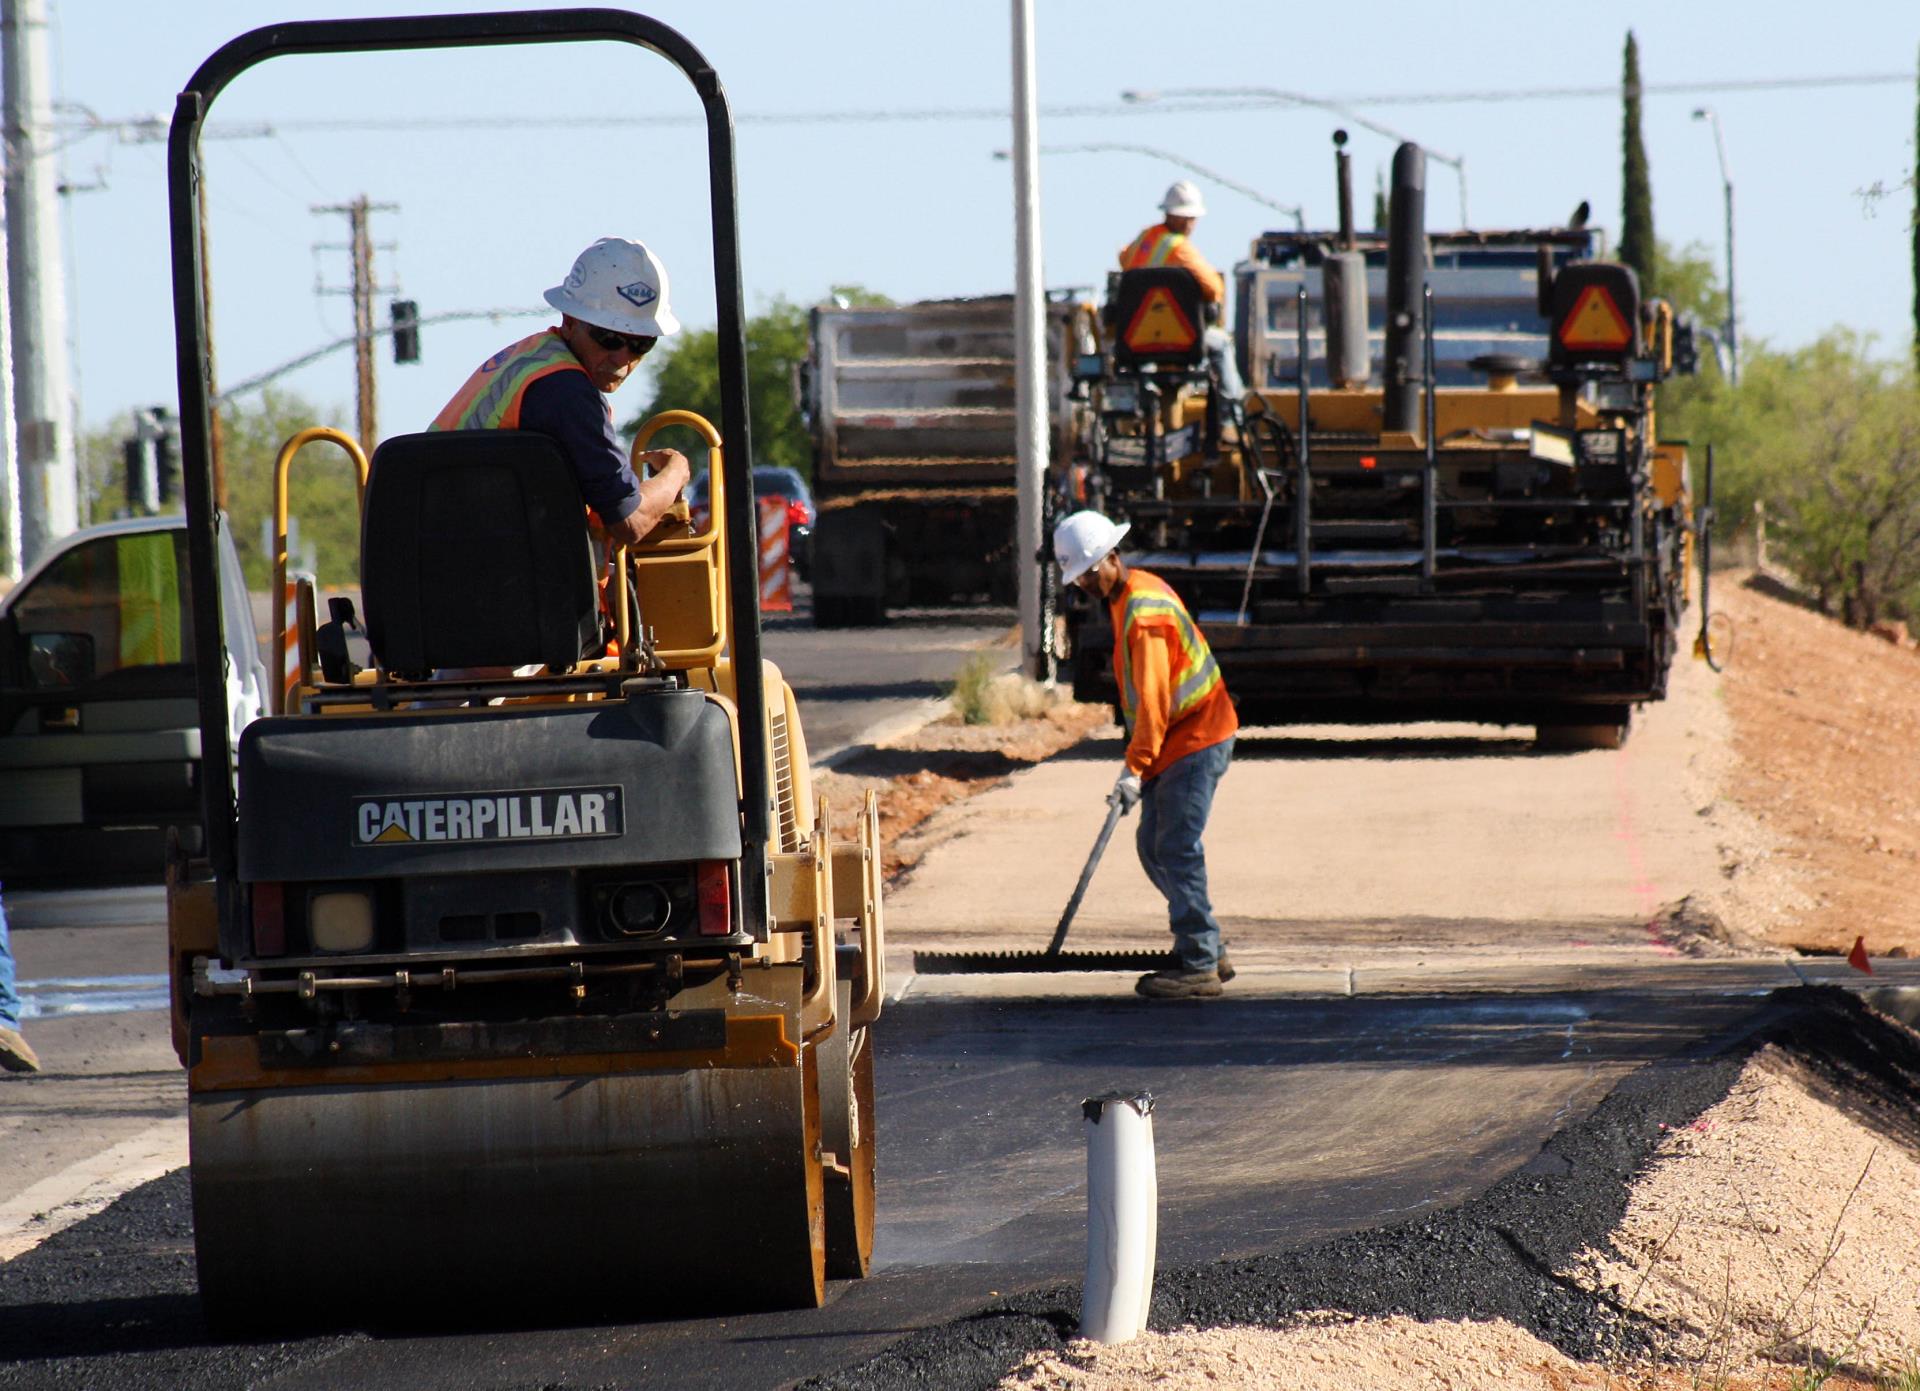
point(99, 732)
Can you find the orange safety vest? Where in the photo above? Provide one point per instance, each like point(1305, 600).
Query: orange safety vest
point(1150, 601)
point(1152, 247)
point(491, 398)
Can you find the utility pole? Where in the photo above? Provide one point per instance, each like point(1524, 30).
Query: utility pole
point(362, 289)
point(1030, 342)
point(10, 565)
point(48, 497)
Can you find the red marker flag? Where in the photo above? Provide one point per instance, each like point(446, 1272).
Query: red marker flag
point(1857, 958)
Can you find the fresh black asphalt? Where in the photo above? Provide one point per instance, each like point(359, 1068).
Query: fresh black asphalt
point(965, 1292)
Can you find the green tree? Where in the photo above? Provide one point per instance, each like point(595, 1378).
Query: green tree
point(1915, 230)
point(686, 376)
point(1690, 281)
point(1379, 200)
point(1828, 436)
point(320, 486)
point(1637, 246)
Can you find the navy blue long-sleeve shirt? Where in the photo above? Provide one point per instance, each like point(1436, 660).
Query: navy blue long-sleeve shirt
point(570, 408)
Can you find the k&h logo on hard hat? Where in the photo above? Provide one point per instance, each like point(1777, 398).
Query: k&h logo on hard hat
point(639, 294)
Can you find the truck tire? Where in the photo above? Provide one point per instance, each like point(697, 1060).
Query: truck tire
point(839, 611)
point(1606, 729)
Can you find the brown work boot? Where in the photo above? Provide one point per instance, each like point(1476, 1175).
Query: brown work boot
point(1225, 969)
point(16, 1054)
point(1178, 985)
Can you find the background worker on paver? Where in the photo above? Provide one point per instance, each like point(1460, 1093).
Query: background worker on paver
point(16, 1054)
point(613, 309)
point(1180, 731)
point(1169, 242)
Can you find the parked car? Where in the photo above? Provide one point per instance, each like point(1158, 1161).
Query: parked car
point(772, 481)
point(99, 725)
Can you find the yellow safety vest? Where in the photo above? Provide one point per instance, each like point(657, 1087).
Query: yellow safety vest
point(1152, 248)
point(491, 398)
point(1195, 675)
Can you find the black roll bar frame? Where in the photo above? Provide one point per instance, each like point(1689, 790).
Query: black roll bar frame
point(191, 350)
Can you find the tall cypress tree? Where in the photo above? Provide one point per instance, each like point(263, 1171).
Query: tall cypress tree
point(1380, 214)
point(1636, 189)
point(1916, 238)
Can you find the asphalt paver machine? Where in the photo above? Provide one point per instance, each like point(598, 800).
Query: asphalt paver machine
point(1492, 532)
point(546, 993)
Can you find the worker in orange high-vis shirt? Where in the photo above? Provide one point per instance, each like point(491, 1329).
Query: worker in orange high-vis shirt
point(1180, 731)
point(1169, 242)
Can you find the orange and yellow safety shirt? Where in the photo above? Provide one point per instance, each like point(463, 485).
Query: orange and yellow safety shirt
point(492, 396)
point(1160, 245)
point(1171, 694)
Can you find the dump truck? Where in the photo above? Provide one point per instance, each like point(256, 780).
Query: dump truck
point(911, 412)
point(1443, 496)
point(544, 995)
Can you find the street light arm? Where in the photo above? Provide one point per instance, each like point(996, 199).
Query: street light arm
point(1297, 213)
point(1295, 98)
point(1292, 210)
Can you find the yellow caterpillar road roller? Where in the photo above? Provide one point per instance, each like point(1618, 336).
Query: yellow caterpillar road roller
point(521, 974)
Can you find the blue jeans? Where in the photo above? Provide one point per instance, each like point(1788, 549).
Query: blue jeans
point(1220, 353)
point(1173, 816)
point(9, 1002)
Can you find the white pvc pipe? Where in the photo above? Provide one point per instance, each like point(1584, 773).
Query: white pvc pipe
point(1123, 1222)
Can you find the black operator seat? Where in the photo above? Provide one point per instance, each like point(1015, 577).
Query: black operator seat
point(1157, 315)
point(474, 553)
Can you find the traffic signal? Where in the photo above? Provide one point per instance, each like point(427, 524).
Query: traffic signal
point(134, 451)
point(152, 458)
point(406, 330)
point(166, 454)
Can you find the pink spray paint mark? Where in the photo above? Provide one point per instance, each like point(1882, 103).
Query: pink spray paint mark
point(1641, 883)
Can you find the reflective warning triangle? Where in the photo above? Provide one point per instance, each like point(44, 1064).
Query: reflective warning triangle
point(1596, 322)
point(1159, 324)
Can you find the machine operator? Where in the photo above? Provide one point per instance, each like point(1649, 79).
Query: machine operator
point(613, 309)
point(1180, 731)
point(1169, 242)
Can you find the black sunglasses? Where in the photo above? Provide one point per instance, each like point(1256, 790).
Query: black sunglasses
point(634, 343)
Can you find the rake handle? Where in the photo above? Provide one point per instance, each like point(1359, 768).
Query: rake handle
point(1115, 810)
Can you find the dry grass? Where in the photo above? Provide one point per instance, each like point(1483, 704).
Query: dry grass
point(981, 694)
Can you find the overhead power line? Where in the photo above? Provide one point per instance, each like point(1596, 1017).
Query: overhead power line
point(272, 374)
point(145, 128)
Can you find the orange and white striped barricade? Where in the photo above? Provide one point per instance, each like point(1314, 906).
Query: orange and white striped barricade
point(290, 636)
point(776, 575)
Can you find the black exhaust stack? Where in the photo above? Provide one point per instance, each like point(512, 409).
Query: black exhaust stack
point(1343, 297)
point(1406, 272)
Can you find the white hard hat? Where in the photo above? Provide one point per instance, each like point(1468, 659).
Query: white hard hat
point(619, 285)
point(1082, 541)
point(1183, 200)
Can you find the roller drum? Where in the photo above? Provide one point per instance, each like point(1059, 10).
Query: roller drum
point(847, 1135)
point(616, 1195)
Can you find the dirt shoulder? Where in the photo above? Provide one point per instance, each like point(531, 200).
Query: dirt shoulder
point(1826, 743)
point(921, 772)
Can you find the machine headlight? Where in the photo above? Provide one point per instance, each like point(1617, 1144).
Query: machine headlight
point(640, 910)
point(340, 922)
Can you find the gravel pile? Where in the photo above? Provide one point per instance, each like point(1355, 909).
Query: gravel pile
point(1528, 1259)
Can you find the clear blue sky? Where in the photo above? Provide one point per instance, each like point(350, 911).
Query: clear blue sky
point(918, 207)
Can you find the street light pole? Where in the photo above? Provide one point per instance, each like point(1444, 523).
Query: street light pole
point(1712, 118)
point(1031, 437)
point(1457, 163)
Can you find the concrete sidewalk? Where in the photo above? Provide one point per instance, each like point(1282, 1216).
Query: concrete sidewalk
point(1416, 857)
